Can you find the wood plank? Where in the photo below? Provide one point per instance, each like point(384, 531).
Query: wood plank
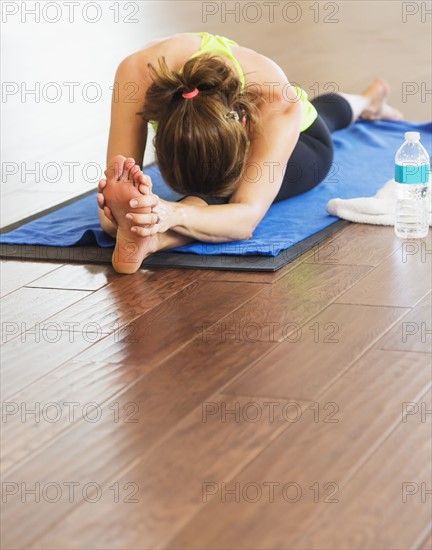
point(204, 347)
point(159, 401)
point(35, 353)
point(357, 244)
point(257, 276)
point(15, 274)
point(151, 337)
point(312, 451)
point(297, 296)
point(168, 380)
point(391, 283)
point(283, 306)
point(27, 308)
point(318, 352)
point(187, 378)
point(200, 452)
point(58, 400)
point(378, 509)
point(126, 298)
point(244, 276)
point(352, 245)
point(81, 456)
point(165, 395)
point(77, 277)
point(412, 332)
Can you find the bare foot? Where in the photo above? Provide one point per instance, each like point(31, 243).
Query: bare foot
point(122, 186)
point(377, 92)
point(103, 207)
point(101, 199)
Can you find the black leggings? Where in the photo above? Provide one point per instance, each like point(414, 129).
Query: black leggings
point(312, 157)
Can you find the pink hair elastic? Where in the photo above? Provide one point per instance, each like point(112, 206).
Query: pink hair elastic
point(189, 95)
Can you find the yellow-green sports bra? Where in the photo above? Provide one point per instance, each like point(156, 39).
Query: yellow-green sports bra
point(222, 46)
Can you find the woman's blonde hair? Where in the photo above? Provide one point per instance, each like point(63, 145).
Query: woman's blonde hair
point(199, 146)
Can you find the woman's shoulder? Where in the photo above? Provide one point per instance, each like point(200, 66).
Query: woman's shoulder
point(174, 46)
point(178, 48)
point(259, 68)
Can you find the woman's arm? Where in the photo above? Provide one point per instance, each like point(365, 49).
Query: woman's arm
point(128, 131)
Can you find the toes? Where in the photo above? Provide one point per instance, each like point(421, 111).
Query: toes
point(109, 214)
point(115, 167)
point(148, 182)
point(133, 173)
point(100, 200)
point(384, 86)
point(128, 165)
point(101, 185)
point(142, 182)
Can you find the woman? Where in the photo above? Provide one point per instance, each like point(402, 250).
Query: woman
point(233, 136)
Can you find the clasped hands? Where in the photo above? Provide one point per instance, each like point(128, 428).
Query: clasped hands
point(159, 220)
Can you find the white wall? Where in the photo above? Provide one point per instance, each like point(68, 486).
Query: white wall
point(62, 125)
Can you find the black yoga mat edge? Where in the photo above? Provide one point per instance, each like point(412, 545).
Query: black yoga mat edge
point(98, 255)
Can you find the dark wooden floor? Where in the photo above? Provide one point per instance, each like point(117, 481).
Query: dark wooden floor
point(203, 409)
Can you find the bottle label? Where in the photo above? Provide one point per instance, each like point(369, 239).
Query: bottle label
point(414, 173)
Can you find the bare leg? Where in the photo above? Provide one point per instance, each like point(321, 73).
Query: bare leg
point(371, 104)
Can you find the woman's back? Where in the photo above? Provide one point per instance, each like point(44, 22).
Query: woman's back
point(241, 60)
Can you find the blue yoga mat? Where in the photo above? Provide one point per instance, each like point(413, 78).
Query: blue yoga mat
point(363, 162)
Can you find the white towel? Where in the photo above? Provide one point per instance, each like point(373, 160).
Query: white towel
point(379, 209)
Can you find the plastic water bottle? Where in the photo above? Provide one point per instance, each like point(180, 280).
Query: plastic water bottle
point(412, 174)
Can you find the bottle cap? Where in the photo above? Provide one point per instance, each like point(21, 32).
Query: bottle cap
point(412, 136)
